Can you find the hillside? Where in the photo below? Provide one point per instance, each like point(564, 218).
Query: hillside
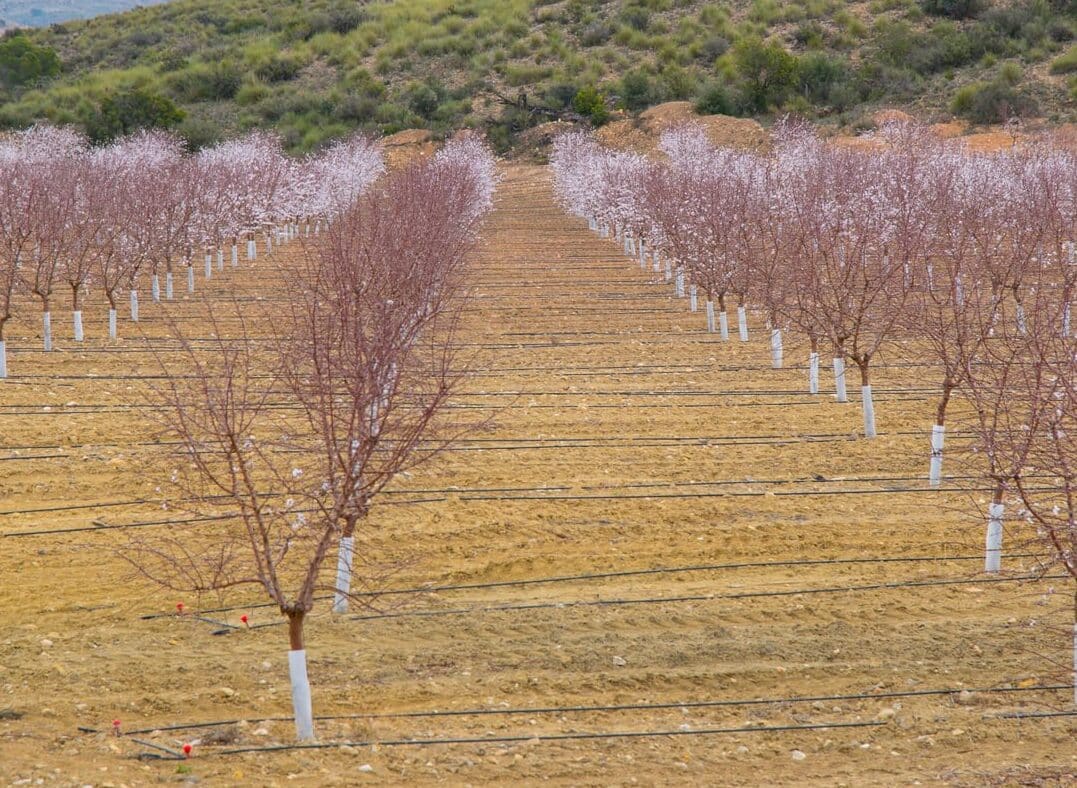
point(314, 70)
point(35, 13)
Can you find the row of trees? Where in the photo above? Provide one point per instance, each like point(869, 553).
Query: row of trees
point(290, 427)
point(74, 217)
point(966, 262)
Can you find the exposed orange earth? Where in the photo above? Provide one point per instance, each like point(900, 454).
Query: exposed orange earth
point(624, 439)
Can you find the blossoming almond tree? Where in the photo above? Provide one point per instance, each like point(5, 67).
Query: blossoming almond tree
point(365, 359)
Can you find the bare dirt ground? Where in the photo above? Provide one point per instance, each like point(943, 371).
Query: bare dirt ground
point(727, 524)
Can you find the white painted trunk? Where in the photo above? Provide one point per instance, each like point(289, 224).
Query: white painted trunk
point(839, 380)
point(220, 259)
point(776, 350)
point(1066, 321)
point(813, 373)
point(235, 256)
point(693, 299)
point(938, 438)
point(679, 284)
point(112, 324)
point(209, 266)
point(252, 250)
point(168, 286)
point(46, 327)
point(656, 261)
point(76, 318)
point(344, 574)
point(190, 279)
point(304, 716)
point(3, 359)
point(155, 288)
point(669, 269)
point(723, 325)
point(869, 411)
point(642, 254)
point(1021, 326)
point(993, 555)
point(742, 323)
point(710, 317)
point(134, 306)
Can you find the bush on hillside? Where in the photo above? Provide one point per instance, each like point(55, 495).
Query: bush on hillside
point(24, 63)
point(592, 105)
point(126, 112)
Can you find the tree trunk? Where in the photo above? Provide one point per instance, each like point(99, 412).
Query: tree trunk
point(866, 400)
point(776, 352)
point(344, 573)
point(938, 435)
point(742, 322)
point(813, 366)
point(693, 301)
point(839, 375)
point(993, 553)
point(710, 316)
point(46, 328)
point(297, 671)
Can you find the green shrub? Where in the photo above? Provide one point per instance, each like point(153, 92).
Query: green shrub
point(560, 94)
point(1066, 63)
point(346, 18)
point(716, 99)
point(823, 78)
point(636, 17)
point(205, 83)
point(200, 133)
point(954, 9)
point(713, 48)
point(23, 63)
point(278, 69)
point(592, 105)
point(423, 99)
point(130, 111)
point(637, 90)
point(768, 73)
point(992, 102)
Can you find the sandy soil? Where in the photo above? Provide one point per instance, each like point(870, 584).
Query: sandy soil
point(623, 439)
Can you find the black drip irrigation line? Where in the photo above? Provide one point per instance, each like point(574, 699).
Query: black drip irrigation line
point(103, 526)
point(537, 738)
point(618, 574)
point(523, 442)
point(462, 495)
point(623, 602)
point(1037, 715)
point(745, 494)
point(547, 488)
point(704, 597)
point(582, 709)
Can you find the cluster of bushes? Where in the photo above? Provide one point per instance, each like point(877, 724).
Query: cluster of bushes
point(315, 68)
point(22, 62)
